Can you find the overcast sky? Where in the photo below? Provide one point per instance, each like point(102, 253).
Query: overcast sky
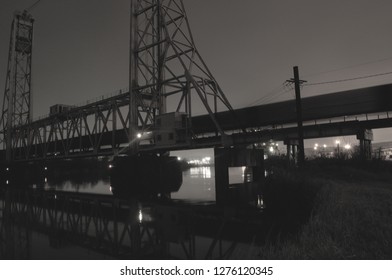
point(81, 46)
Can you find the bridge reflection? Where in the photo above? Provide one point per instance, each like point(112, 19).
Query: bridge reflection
point(125, 229)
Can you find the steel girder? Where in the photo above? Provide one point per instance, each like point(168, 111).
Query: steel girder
point(94, 129)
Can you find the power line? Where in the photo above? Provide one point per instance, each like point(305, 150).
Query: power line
point(348, 67)
point(349, 79)
point(272, 95)
point(32, 6)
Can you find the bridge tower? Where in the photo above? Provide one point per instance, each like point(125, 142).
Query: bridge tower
point(166, 66)
point(17, 95)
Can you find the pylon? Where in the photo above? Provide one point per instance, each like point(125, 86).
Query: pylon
point(165, 64)
point(17, 95)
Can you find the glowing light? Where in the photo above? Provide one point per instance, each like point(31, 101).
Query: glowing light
point(140, 216)
point(337, 142)
point(178, 158)
point(347, 147)
point(7, 182)
point(139, 135)
point(111, 189)
point(110, 166)
point(325, 146)
point(271, 149)
point(315, 148)
point(46, 180)
point(7, 169)
point(46, 168)
point(316, 145)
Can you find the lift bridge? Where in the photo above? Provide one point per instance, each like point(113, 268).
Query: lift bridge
point(166, 68)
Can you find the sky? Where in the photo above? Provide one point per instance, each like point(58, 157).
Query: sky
point(81, 47)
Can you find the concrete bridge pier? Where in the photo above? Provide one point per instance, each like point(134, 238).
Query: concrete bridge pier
point(365, 137)
point(292, 150)
point(232, 190)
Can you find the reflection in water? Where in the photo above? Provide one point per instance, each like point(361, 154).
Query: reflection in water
point(198, 184)
point(77, 217)
point(98, 187)
point(42, 224)
point(200, 172)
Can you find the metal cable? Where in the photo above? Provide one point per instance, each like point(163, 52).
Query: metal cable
point(349, 79)
point(32, 6)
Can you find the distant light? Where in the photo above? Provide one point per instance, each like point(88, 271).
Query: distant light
point(263, 144)
point(7, 182)
point(271, 149)
point(110, 166)
point(316, 145)
point(111, 189)
point(315, 148)
point(277, 144)
point(46, 180)
point(139, 135)
point(347, 147)
point(140, 216)
point(7, 169)
point(178, 158)
point(324, 146)
point(46, 168)
point(337, 142)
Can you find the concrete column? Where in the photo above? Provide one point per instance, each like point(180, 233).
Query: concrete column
point(292, 150)
point(244, 193)
point(365, 137)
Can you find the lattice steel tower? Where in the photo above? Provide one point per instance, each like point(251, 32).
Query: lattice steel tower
point(165, 64)
point(17, 95)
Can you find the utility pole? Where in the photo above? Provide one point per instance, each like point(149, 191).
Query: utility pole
point(297, 84)
point(133, 79)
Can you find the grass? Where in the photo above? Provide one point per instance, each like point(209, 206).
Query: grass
point(344, 211)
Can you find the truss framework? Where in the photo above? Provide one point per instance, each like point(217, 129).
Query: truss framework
point(17, 94)
point(165, 64)
point(165, 70)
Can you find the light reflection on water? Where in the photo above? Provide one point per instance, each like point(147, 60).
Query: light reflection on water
point(99, 187)
point(173, 223)
point(198, 184)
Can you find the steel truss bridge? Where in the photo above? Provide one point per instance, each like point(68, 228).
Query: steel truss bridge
point(102, 127)
point(165, 67)
point(122, 228)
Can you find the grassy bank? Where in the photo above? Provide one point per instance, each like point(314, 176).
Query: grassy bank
point(332, 209)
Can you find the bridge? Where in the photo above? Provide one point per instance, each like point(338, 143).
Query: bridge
point(166, 67)
point(100, 128)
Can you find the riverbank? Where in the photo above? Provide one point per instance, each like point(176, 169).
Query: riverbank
point(330, 209)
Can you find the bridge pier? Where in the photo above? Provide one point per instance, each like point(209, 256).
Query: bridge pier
point(292, 150)
point(231, 192)
point(365, 137)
